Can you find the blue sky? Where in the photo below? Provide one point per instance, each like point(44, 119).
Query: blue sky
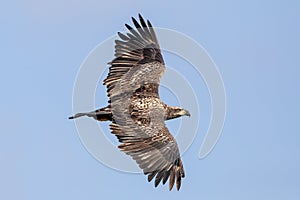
point(255, 45)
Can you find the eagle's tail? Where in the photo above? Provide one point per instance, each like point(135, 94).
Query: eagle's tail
point(103, 114)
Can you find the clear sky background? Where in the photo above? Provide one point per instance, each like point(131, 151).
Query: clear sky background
point(255, 45)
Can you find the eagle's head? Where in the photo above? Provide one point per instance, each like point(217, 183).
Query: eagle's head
point(175, 112)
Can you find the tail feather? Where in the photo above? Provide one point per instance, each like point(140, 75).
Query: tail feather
point(103, 114)
point(78, 115)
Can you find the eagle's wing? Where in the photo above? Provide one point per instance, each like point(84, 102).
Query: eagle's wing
point(157, 155)
point(139, 46)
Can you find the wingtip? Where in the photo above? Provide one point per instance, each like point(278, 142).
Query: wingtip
point(178, 185)
point(170, 187)
point(149, 23)
point(133, 19)
point(128, 27)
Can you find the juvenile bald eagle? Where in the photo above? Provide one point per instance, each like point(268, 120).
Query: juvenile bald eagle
point(135, 109)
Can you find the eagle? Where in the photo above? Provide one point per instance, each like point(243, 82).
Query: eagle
point(135, 109)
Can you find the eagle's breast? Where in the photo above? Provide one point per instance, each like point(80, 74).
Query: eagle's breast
point(146, 110)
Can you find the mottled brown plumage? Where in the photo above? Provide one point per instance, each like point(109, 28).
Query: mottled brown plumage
point(135, 109)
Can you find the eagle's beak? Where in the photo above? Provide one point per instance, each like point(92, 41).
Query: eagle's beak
point(184, 112)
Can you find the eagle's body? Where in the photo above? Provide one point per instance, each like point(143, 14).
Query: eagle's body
point(135, 109)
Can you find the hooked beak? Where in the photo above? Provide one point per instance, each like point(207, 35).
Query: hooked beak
point(184, 112)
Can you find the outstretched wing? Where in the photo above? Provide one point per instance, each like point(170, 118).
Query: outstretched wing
point(157, 155)
point(139, 46)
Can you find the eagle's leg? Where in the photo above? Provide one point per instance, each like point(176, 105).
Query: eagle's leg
point(103, 114)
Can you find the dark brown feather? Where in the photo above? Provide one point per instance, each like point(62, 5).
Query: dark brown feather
point(172, 179)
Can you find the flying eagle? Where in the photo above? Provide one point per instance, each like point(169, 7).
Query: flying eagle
point(137, 114)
